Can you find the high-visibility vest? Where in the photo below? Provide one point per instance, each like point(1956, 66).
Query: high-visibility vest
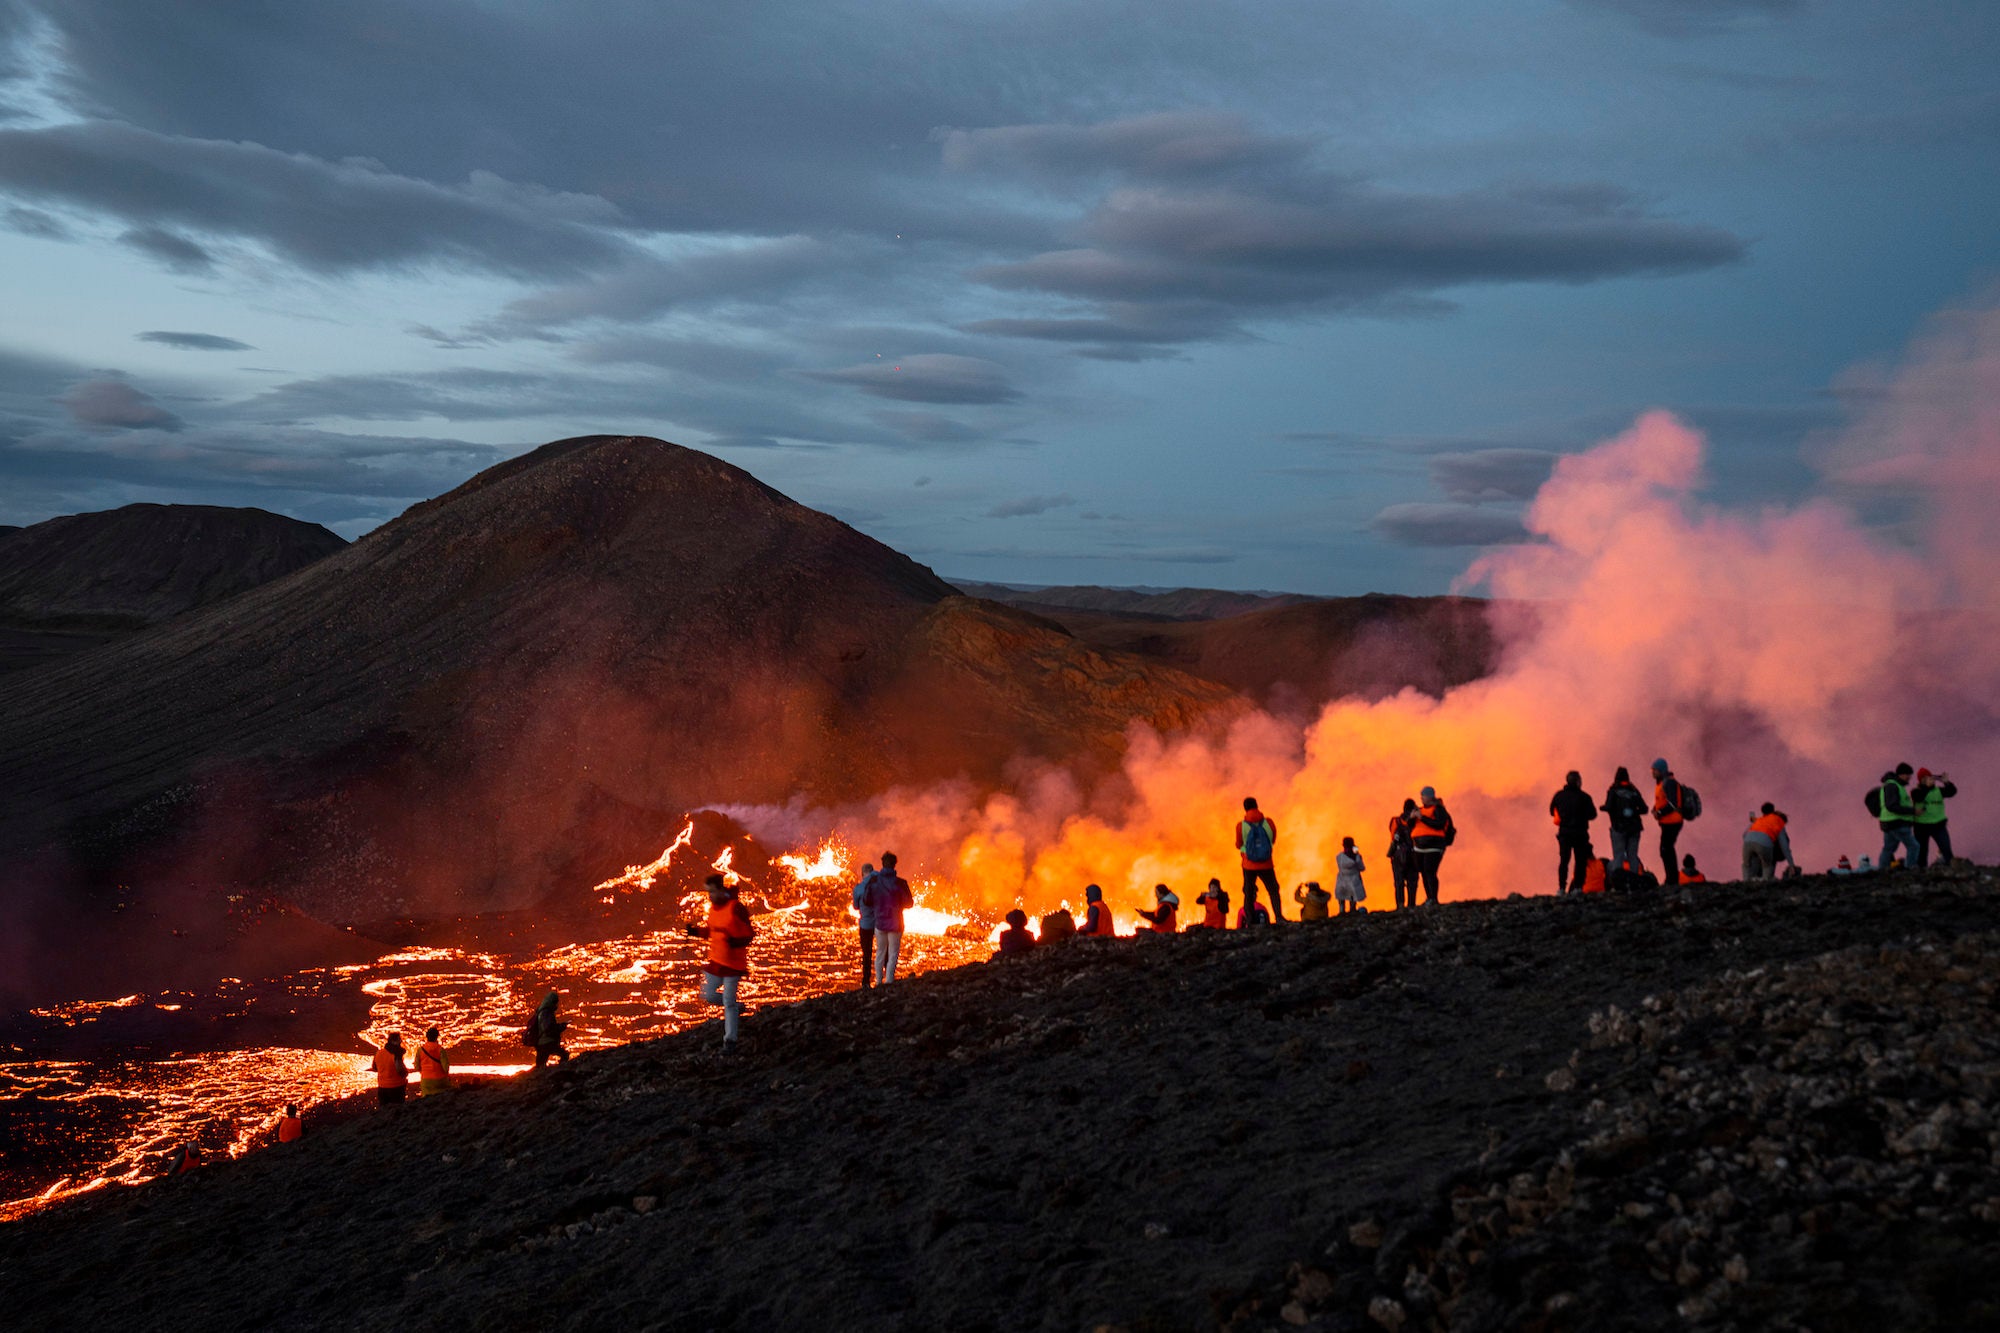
point(1768, 825)
point(1214, 916)
point(1168, 920)
point(1431, 826)
point(732, 918)
point(1889, 814)
point(1097, 921)
point(431, 1062)
point(289, 1128)
point(389, 1071)
point(1666, 814)
point(1693, 877)
point(1930, 804)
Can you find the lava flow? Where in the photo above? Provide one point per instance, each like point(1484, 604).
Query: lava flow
point(99, 1092)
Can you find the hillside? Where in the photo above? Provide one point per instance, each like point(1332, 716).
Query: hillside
point(516, 685)
point(74, 582)
point(1144, 603)
point(1756, 1106)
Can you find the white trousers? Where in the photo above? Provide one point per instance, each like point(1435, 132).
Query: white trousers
point(888, 943)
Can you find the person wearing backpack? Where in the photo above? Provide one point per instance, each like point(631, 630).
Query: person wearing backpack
point(1431, 834)
point(888, 895)
point(1573, 810)
point(1673, 805)
point(864, 916)
point(1625, 808)
point(1897, 814)
point(544, 1032)
point(1403, 855)
point(1928, 796)
point(1257, 841)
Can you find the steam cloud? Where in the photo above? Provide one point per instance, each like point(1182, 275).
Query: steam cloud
point(1788, 655)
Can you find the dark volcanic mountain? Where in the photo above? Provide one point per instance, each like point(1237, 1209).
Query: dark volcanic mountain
point(131, 567)
point(517, 685)
point(1146, 603)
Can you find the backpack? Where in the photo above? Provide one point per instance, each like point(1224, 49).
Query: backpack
point(528, 1034)
point(1257, 840)
point(1631, 805)
point(1873, 800)
point(1690, 802)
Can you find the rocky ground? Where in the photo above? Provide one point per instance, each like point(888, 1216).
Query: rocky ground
point(1744, 1107)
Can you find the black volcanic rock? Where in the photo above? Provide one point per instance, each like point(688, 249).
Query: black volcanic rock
point(131, 567)
point(516, 686)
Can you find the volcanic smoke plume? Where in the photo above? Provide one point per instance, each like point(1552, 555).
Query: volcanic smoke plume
point(1782, 654)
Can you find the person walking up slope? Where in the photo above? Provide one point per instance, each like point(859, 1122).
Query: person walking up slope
point(729, 932)
point(888, 896)
point(1430, 835)
point(1257, 840)
point(1347, 886)
point(1573, 810)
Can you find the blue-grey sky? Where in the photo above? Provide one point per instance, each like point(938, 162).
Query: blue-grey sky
point(1264, 293)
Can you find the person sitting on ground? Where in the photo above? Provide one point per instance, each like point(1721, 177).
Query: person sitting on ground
point(1165, 913)
point(1347, 886)
point(1765, 843)
point(290, 1125)
point(729, 933)
point(1312, 901)
point(1057, 926)
point(1690, 875)
point(1096, 915)
point(1252, 913)
point(545, 1033)
point(1016, 938)
point(433, 1066)
point(391, 1077)
point(1214, 902)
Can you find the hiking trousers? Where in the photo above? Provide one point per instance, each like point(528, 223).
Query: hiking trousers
point(1404, 874)
point(888, 944)
point(1268, 877)
point(1426, 863)
point(1760, 856)
point(1625, 847)
point(1569, 844)
point(1896, 836)
point(722, 991)
point(1670, 865)
point(867, 957)
point(1926, 832)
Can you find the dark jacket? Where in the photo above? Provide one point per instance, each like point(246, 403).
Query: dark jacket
point(1573, 809)
point(1626, 806)
point(1016, 939)
point(885, 897)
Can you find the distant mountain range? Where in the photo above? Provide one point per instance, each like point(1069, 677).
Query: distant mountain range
point(1155, 603)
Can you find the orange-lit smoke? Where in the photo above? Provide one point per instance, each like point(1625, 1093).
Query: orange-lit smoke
point(1782, 653)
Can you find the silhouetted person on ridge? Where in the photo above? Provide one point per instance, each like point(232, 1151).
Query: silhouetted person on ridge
point(888, 896)
point(545, 1032)
point(1573, 810)
point(392, 1079)
point(1431, 834)
point(1016, 938)
point(1669, 800)
point(1403, 855)
point(1165, 912)
point(1690, 875)
point(864, 917)
point(1257, 841)
point(1096, 914)
point(1625, 808)
point(1928, 798)
point(1765, 843)
point(1897, 815)
point(1214, 902)
point(1347, 885)
point(291, 1125)
point(1312, 901)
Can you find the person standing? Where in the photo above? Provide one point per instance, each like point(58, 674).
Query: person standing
point(864, 916)
point(1403, 855)
point(392, 1077)
point(1214, 902)
point(1667, 810)
point(1096, 915)
point(1625, 809)
point(545, 1032)
point(1257, 841)
point(1765, 843)
point(889, 895)
point(1932, 791)
point(729, 932)
point(1898, 817)
point(433, 1066)
point(1430, 835)
point(1347, 887)
point(1573, 810)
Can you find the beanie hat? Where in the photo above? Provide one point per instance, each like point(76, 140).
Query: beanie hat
point(1092, 894)
point(1660, 766)
point(1429, 793)
point(1923, 775)
point(1845, 864)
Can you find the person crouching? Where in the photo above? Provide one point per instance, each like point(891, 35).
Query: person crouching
point(729, 932)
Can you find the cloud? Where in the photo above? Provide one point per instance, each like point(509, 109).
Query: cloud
point(326, 217)
point(930, 427)
point(34, 222)
point(194, 342)
point(1163, 145)
point(114, 403)
point(1689, 18)
point(170, 248)
point(1027, 506)
point(933, 377)
point(1492, 474)
point(1448, 525)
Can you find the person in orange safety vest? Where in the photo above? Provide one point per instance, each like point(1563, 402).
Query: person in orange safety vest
point(729, 932)
point(1165, 915)
point(392, 1078)
point(1214, 902)
point(290, 1125)
point(433, 1066)
point(1096, 915)
point(1689, 874)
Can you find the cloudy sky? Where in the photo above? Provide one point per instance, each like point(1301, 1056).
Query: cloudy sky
point(1297, 294)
